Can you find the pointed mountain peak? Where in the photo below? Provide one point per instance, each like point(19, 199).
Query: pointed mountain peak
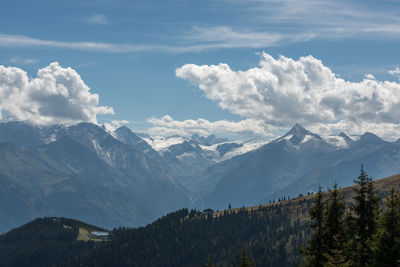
point(370, 137)
point(123, 130)
point(297, 129)
point(298, 134)
point(88, 127)
point(125, 135)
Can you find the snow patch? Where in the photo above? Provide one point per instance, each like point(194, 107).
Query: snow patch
point(160, 143)
point(306, 138)
point(287, 137)
point(337, 141)
point(247, 146)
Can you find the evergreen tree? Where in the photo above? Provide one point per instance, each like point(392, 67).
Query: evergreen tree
point(336, 259)
point(387, 240)
point(336, 256)
point(364, 219)
point(314, 254)
point(333, 230)
point(372, 208)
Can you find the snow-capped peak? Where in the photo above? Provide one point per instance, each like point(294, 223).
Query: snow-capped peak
point(160, 143)
point(298, 134)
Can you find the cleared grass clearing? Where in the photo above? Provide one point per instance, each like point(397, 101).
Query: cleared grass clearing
point(85, 235)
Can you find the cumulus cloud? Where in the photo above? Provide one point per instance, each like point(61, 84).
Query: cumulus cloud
point(167, 126)
point(284, 91)
point(395, 72)
point(369, 76)
point(115, 124)
point(57, 95)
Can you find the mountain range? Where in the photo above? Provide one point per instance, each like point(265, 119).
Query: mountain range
point(80, 172)
point(125, 178)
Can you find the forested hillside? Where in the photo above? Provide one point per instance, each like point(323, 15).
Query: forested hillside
point(45, 242)
point(360, 233)
point(273, 235)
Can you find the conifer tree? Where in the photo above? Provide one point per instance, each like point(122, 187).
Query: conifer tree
point(387, 240)
point(333, 230)
point(364, 219)
point(336, 257)
point(314, 254)
point(372, 207)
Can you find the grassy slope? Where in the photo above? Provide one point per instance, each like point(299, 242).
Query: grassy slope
point(383, 186)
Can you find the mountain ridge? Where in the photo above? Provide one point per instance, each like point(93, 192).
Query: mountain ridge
point(122, 179)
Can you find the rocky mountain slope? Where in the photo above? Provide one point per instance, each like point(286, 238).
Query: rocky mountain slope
point(80, 172)
point(122, 178)
point(295, 163)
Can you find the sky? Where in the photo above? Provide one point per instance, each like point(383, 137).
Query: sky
point(233, 68)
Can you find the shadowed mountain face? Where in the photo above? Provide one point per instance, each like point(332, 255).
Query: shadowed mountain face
point(115, 179)
point(86, 173)
point(296, 163)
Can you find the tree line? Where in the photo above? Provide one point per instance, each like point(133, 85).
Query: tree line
point(362, 232)
point(359, 233)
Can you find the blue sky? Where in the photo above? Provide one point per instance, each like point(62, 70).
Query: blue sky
point(128, 52)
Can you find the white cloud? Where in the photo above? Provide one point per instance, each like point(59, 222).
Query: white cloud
point(7, 40)
point(227, 37)
point(284, 91)
point(395, 72)
point(264, 23)
point(57, 95)
point(98, 19)
point(196, 40)
point(115, 124)
point(326, 19)
point(25, 61)
point(167, 126)
point(369, 76)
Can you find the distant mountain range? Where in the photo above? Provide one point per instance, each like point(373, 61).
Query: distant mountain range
point(187, 158)
point(80, 172)
point(126, 178)
point(296, 163)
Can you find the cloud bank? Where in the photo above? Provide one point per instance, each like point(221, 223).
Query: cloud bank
point(283, 91)
point(167, 126)
point(57, 95)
